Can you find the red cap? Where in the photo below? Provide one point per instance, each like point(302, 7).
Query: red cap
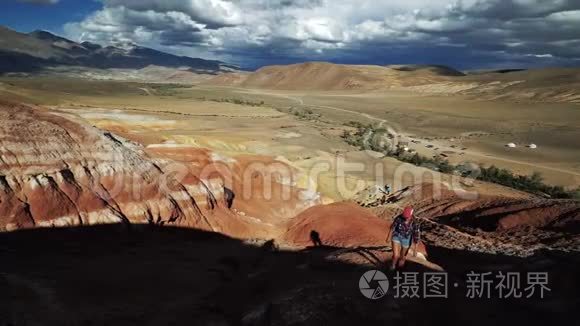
point(408, 212)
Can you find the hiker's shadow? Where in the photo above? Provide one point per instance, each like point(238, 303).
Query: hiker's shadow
point(315, 238)
point(318, 244)
point(366, 253)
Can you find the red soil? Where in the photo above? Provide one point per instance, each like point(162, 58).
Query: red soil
point(263, 187)
point(340, 225)
point(58, 171)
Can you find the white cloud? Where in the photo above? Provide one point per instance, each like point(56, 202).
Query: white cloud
point(262, 29)
point(209, 12)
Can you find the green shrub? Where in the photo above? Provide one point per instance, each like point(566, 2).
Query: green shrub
point(533, 183)
point(305, 114)
point(238, 101)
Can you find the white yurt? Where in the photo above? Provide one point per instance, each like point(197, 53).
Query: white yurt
point(533, 146)
point(511, 145)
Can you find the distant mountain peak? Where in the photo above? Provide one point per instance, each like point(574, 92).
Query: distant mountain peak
point(91, 46)
point(40, 49)
point(48, 36)
point(127, 46)
point(40, 32)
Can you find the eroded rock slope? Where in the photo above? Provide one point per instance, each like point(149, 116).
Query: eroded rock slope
point(56, 170)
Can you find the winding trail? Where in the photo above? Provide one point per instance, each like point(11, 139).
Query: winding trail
point(146, 90)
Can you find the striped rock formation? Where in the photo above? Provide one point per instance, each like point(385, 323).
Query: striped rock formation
point(56, 170)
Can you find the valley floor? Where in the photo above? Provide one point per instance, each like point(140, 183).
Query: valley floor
point(228, 119)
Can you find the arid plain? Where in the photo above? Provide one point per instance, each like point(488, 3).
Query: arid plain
point(304, 125)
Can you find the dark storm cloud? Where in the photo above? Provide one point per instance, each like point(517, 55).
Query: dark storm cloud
point(181, 38)
point(462, 33)
point(512, 9)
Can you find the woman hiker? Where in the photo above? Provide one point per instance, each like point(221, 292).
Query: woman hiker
point(404, 233)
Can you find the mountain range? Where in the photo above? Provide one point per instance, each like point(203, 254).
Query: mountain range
point(43, 53)
point(39, 50)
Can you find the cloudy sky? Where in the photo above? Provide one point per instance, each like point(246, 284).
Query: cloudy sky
point(467, 34)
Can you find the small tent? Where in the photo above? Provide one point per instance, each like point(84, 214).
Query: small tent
point(533, 146)
point(511, 145)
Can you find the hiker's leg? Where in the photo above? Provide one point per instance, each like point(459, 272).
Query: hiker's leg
point(396, 253)
point(403, 259)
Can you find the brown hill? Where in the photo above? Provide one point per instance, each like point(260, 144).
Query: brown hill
point(538, 85)
point(340, 225)
point(438, 70)
point(328, 76)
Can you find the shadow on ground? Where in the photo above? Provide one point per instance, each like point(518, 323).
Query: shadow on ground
point(114, 275)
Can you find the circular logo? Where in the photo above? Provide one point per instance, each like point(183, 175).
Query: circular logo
point(374, 284)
